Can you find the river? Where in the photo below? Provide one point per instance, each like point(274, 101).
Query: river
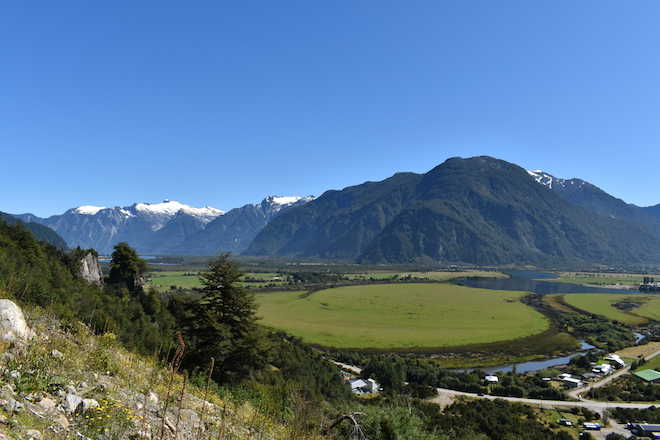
point(536, 282)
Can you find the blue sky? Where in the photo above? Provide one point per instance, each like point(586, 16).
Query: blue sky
point(222, 103)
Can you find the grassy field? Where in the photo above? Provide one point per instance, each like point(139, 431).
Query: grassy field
point(189, 279)
point(653, 364)
point(183, 279)
point(603, 304)
point(401, 316)
point(640, 350)
point(603, 279)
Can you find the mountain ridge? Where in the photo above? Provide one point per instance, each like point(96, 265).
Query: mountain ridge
point(478, 210)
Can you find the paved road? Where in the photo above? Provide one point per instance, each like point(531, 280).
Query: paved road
point(577, 393)
point(443, 393)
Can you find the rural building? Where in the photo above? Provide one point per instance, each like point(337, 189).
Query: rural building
point(615, 360)
point(572, 382)
point(602, 369)
point(563, 376)
point(361, 386)
point(646, 430)
point(491, 379)
point(648, 375)
point(592, 426)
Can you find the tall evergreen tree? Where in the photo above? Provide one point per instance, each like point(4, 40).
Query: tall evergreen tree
point(222, 325)
point(126, 268)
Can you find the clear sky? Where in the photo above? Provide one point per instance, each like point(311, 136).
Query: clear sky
point(223, 103)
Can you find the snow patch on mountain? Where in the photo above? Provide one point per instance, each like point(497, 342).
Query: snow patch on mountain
point(551, 181)
point(89, 209)
point(172, 207)
point(279, 202)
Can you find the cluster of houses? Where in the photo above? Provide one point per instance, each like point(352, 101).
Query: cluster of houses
point(614, 362)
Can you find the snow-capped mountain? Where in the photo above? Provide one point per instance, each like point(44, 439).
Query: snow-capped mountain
point(234, 231)
point(101, 227)
point(165, 227)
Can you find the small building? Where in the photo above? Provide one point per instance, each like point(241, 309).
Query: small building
point(615, 360)
point(591, 426)
point(491, 379)
point(563, 376)
point(602, 369)
point(361, 386)
point(572, 382)
point(645, 430)
point(648, 375)
point(589, 376)
point(565, 422)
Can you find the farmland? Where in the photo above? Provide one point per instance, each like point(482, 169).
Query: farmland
point(603, 279)
point(165, 280)
point(401, 316)
point(637, 309)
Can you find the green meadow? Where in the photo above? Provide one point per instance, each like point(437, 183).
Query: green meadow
point(392, 316)
point(189, 279)
point(603, 304)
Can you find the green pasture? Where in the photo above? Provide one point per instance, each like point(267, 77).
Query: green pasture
point(603, 304)
point(182, 279)
point(390, 316)
point(189, 279)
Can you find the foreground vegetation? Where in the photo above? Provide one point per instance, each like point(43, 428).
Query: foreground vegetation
point(401, 316)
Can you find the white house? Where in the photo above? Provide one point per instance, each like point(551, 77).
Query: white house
point(361, 386)
point(491, 379)
point(602, 369)
point(615, 360)
point(572, 382)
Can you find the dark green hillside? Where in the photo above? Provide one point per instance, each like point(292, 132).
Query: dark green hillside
point(339, 224)
point(479, 210)
point(41, 232)
point(588, 196)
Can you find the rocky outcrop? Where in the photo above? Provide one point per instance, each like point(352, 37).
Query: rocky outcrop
point(12, 322)
point(90, 269)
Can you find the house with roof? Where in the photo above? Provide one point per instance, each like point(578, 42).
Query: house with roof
point(602, 369)
point(572, 382)
point(615, 360)
point(645, 430)
point(362, 386)
point(491, 379)
point(648, 375)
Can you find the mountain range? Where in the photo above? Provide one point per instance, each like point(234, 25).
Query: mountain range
point(478, 210)
point(169, 227)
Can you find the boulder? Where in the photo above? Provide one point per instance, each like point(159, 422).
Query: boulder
point(71, 403)
point(33, 434)
point(12, 322)
point(89, 403)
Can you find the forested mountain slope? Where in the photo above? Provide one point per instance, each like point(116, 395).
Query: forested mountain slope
point(479, 210)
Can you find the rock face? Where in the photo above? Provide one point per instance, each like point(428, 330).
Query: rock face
point(12, 322)
point(90, 269)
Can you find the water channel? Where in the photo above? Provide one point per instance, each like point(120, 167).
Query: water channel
point(539, 283)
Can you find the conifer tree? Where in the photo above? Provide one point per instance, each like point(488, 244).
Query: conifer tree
point(222, 325)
